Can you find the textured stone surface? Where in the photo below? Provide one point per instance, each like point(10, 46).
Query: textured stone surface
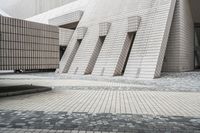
point(102, 105)
point(31, 120)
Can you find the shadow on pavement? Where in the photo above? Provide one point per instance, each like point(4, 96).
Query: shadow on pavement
point(22, 89)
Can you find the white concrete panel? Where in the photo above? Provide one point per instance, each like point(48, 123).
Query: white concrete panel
point(66, 18)
point(68, 8)
point(152, 19)
point(180, 48)
point(133, 23)
point(145, 61)
point(104, 28)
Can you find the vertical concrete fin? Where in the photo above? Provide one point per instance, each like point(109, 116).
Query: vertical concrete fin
point(125, 54)
point(179, 54)
point(71, 52)
point(147, 54)
point(165, 40)
point(103, 31)
point(67, 63)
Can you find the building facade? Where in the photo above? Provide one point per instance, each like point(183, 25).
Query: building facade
point(27, 45)
point(128, 38)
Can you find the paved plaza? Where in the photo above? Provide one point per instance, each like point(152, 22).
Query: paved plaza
point(80, 105)
point(107, 101)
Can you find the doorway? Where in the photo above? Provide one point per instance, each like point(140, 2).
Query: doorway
point(197, 45)
point(95, 55)
point(125, 54)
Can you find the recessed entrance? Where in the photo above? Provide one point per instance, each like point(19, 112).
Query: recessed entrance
point(62, 51)
point(71, 26)
point(197, 45)
point(196, 18)
point(95, 55)
point(125, 54)
point(74, 51)
point(68, 21)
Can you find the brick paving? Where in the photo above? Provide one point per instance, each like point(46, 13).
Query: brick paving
point(20, 130)
point(128, 106)
point(108, 101)
point(103, 122)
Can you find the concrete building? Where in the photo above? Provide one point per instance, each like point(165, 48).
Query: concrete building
point(27, 8)
point(129, 38)
point(26, 45)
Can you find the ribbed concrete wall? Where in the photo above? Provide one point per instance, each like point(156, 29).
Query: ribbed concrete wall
point(85, 51)
point(180, 48)
point(28, 45)
point(95, 55)
point(111, 50)
point(158, 28)
point(125, 54)
point(150, 41)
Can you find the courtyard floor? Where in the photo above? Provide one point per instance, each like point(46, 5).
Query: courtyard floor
point(93, 104)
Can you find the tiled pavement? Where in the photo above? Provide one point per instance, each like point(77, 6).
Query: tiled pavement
point(108, 101)
point(20, 130)
point(110, 107)
point(62, 82)
point(101, 111)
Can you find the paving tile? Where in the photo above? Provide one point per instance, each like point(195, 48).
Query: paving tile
point(106, 101)
point(106, 122)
